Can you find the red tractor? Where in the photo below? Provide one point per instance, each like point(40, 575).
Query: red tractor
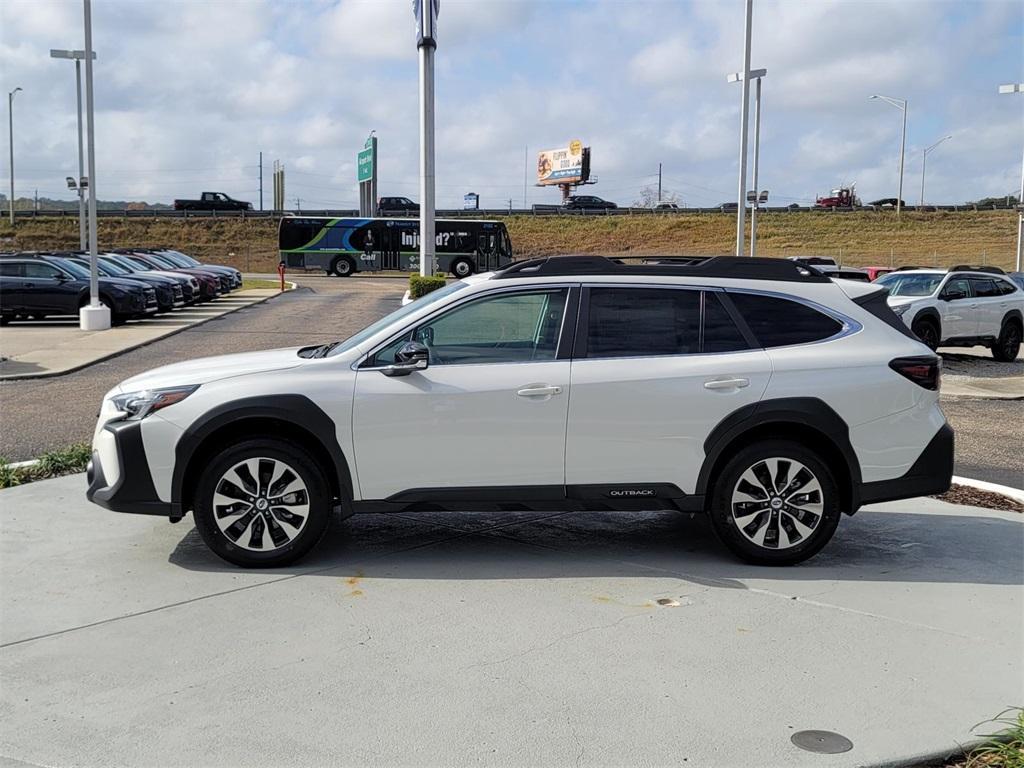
point(844, 197)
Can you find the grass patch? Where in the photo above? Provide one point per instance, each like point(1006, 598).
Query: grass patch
point(252, 282)
point(63, 461)
point(1003, 749)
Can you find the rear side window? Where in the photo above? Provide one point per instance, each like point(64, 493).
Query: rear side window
point(984, 286)
point(1006, 287)
point(643, 322)
point(778, 322)
point(720, 332)
point(10, 269)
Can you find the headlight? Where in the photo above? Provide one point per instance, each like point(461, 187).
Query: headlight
point(138, 405)
point(901, 309)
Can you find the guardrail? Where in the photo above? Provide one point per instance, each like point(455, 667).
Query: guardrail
point(536, 210)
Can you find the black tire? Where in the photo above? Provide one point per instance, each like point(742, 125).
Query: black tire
point(928, 332)
point(312, 522)
point(5, 319)
point(343, 266)
point(771, 523)
point(1007, 346)
point(461, 268)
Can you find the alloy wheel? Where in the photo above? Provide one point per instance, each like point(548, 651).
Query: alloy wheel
point(261, 504)
point(777, 503)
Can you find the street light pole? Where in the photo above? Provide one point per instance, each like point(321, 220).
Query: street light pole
point(756, 75)
point(741, 194)
point(900, 104)
point(924, 163)
point(10, 133)
point(1018, 88)
point(77, 57)
point(426, 31)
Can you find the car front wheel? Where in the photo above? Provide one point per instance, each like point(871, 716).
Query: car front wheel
point(262, 503)
point(928, 333)
point(775, 503)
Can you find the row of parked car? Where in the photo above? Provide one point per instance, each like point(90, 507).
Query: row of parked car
point(133, 283)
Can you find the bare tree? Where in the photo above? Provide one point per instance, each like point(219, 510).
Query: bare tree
point(649, 197)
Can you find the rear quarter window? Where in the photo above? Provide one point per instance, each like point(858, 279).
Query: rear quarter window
point(779, 322)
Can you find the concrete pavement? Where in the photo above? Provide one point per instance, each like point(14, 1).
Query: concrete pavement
point(500, 639)
point(55, 346)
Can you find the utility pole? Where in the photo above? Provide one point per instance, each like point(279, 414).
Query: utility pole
point(426, 31)
point(924, 163)
point(757, 155)
point(741, 194)
point(95, 316)
point(10, 133)
point(659, 182)
point(526, 173)
point(298, 204)
point(1018, 88)
point(261, 181)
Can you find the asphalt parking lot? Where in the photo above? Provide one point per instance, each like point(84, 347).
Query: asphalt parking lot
point(990, 438)
point(500, 639)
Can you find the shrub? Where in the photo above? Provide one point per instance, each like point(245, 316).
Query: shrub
point(421, 286)
point(63, 461)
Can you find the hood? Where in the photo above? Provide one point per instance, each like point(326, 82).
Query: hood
point(206, 369)
point(899, 301)
point(125, 283)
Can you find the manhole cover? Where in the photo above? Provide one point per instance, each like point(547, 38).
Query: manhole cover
point(823, 742)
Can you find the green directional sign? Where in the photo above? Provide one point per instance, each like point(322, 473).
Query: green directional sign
point(364, 164)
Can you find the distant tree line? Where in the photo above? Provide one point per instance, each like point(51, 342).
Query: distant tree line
point(47, 204)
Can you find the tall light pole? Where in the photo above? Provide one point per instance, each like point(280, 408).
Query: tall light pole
point(741, 194)
point(900, 104)
point(924, 163)
point(10, 132)
point(77, 56)
point(1018, 88)
point(756, 75)
point(95, 316)
point(426, 32)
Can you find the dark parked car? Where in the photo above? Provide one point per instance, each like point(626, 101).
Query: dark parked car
point(190, 286)
point(587, 203)
point(188, 262)
point(38, 286)
point(212, 285)
point(169, 294)
point(212, 201)
point(397, 206)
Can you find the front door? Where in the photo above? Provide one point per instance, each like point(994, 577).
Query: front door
point(656, 369)
point(958, 309)
point(489, 411)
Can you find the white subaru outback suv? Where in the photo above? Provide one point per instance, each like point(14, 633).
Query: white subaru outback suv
point(963, 307)
point(758, 391)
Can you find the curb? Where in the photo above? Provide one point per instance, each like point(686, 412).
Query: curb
point(172, 332)
point(982, 485)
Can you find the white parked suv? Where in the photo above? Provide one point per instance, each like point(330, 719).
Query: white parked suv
point(963, 307)
point(758, 391)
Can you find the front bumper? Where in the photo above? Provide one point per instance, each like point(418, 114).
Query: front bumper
point(932, 473)
point(133, 490)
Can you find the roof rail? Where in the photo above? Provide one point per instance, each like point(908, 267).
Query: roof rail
point(909, 266)
point(683, 266)
point(977, 268)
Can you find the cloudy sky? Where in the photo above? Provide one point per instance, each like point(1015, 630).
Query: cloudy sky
point(188, 93)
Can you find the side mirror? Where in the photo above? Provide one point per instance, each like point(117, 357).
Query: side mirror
point(411, 356)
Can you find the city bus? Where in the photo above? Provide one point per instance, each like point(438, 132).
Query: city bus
point(344, 246)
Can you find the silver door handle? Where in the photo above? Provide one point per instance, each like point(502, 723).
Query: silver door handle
point(539, 391)
point(726, 383)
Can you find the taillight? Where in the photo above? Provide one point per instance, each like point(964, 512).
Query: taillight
point(925, 371)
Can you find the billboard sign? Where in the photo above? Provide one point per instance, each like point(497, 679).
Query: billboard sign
point(364, 165)
point(471, 201)
point(564, 165)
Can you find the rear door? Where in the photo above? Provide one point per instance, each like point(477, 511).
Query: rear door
point(654, 370)
point(990, 302)
point(11, 285)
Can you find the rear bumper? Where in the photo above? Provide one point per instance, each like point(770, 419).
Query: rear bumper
point(133, 490)
point(932, 473)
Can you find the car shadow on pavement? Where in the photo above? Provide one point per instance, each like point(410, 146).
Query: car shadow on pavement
point(873, 545)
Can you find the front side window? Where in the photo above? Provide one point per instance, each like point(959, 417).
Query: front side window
point(41, 270)
point(779, 322)
point(957, 288)
point(643, 322)
point(508, 328)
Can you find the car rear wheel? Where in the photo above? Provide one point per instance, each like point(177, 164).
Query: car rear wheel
point(343, 266)
point(927, 332)
point(1007, 346)
point(262, 503)
point(775, 503)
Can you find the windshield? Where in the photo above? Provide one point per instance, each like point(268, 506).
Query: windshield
point(910, 285)
point(112, 267)
point(76, 269)
point(174, 258)
point(398, 314)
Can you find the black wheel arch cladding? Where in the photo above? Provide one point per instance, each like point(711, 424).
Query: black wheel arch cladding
point(300, 413)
